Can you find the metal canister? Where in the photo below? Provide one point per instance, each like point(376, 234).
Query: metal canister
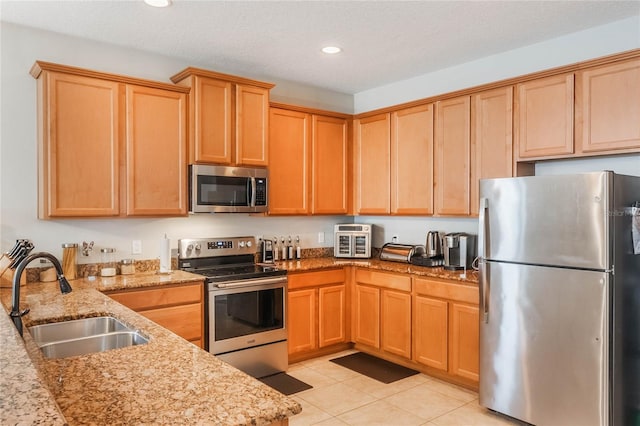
point(69, 259)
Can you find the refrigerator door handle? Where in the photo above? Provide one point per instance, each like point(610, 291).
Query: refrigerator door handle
point(482, 250)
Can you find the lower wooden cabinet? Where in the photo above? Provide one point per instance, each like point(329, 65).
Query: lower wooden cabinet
point(446, 331)
point(317, 312)
point(178, 308)
point(382, 311)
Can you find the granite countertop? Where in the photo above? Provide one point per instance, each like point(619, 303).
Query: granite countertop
point(471, 277)
point(166, 381)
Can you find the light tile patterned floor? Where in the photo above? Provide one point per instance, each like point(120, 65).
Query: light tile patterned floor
point(343, 397)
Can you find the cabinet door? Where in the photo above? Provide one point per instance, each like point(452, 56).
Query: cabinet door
point(183, 320)
point(464, 338)
point(412, 160)
point(329, 165)
point(252, 118)
point(331, 314)
point(544, 117)
point(452, 176)
point(608, 107)
point(301, 320)
point(430, 332)
point(491, 138)
point(367, 315)
point(372, 172)
point(211, 136)
point(78, 146)
point(396, 323)
point(289, 168)
point(156, 152)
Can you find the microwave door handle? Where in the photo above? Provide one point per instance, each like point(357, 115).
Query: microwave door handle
point(251, 193)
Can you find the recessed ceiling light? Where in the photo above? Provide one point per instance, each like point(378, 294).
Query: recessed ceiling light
point(331, 50)
point(158, 3)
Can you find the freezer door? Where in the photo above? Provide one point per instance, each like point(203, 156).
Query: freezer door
point(543, 344)
point(547, 220)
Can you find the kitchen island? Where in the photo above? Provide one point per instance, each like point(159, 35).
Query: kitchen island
point(166, 381)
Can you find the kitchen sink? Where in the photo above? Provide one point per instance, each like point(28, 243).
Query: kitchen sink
point(84, 336)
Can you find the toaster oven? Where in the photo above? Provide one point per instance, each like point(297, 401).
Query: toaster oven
point(352, 240)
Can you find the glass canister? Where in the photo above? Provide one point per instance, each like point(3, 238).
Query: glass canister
point(127, 267)
point(69, 260)
point(108, 261)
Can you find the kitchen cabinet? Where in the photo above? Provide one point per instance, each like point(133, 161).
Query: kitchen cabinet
point(412, 161)
point(179, 308)
point(394, 162)
point(544, 117)
point(608, 108)
point(372, 165)
point(308, 167)
point(382, 311)
point(289, 169)
point(228, 118)
point(101, 140)
point(452, 157)
point(445, 328)
point(491, 138)
point(317, 313)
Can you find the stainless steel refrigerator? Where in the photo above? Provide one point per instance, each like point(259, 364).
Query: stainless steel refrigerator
point(560, 299)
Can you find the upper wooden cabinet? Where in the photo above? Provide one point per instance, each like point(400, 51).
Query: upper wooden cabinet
point(102, 139)
point(329, 165)
point(544, 117)
point(412, 161)
point(228, 118)
point(394, 162)
point(308, 167)
point(453, 156)
point(608, 108)
point(491, 138)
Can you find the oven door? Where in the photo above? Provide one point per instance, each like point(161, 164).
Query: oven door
point(247, 313)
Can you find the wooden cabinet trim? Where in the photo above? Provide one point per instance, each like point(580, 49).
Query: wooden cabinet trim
point(447, 290)
point(189, 71)
point(383, 279)
point(315, 278)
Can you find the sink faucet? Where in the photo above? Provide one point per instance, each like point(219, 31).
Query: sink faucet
point(16, 315)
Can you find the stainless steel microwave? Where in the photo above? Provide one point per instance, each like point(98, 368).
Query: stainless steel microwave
point(227, 189)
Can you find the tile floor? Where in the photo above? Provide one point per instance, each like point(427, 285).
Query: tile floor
point(343, 397)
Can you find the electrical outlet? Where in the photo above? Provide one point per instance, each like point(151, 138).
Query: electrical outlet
point(321, 237)
point(136, 247)
point(394, 239)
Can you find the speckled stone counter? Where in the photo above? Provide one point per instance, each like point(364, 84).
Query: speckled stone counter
point(166, 381)
point(471, 277)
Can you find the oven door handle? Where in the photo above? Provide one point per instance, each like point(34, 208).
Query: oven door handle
point(249, 283)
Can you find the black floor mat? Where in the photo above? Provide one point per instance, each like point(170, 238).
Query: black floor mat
point(284, 383)
point(376, 368)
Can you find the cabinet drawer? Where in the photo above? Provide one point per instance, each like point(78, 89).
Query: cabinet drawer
point(383, 279)
point(447, 290)
point(311, 279)
point(183, 320)
point(159, 297)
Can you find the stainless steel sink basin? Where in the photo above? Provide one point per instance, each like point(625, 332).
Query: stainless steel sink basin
point(84, 336)
point(85, 327)
point(87, 345)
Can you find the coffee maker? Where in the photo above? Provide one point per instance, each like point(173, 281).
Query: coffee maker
point(266, 249)
point(459, 250)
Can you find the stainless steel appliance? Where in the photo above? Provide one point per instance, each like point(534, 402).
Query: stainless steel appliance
point(225, 189)
point(459, 250)
point(432, 255)
point(245, 304)
point(352, 240)
point(400, 252)
point(560, 299)
point(266, 251)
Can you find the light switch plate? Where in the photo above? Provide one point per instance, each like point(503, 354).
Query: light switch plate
point(136, 247)
point(321, 237)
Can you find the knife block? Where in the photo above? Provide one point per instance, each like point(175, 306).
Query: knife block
point(6, 277)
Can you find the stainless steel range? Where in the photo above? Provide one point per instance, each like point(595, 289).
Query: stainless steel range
point(245, 304)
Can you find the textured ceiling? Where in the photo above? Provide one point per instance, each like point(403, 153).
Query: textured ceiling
point(383, 41)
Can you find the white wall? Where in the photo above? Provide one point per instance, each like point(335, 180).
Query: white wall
point(20, 48)
point(592, 43)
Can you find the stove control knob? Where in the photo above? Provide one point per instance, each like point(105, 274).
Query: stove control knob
point(189, 247)
point(198, 247)
point(241, 244)
point(249, 243)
